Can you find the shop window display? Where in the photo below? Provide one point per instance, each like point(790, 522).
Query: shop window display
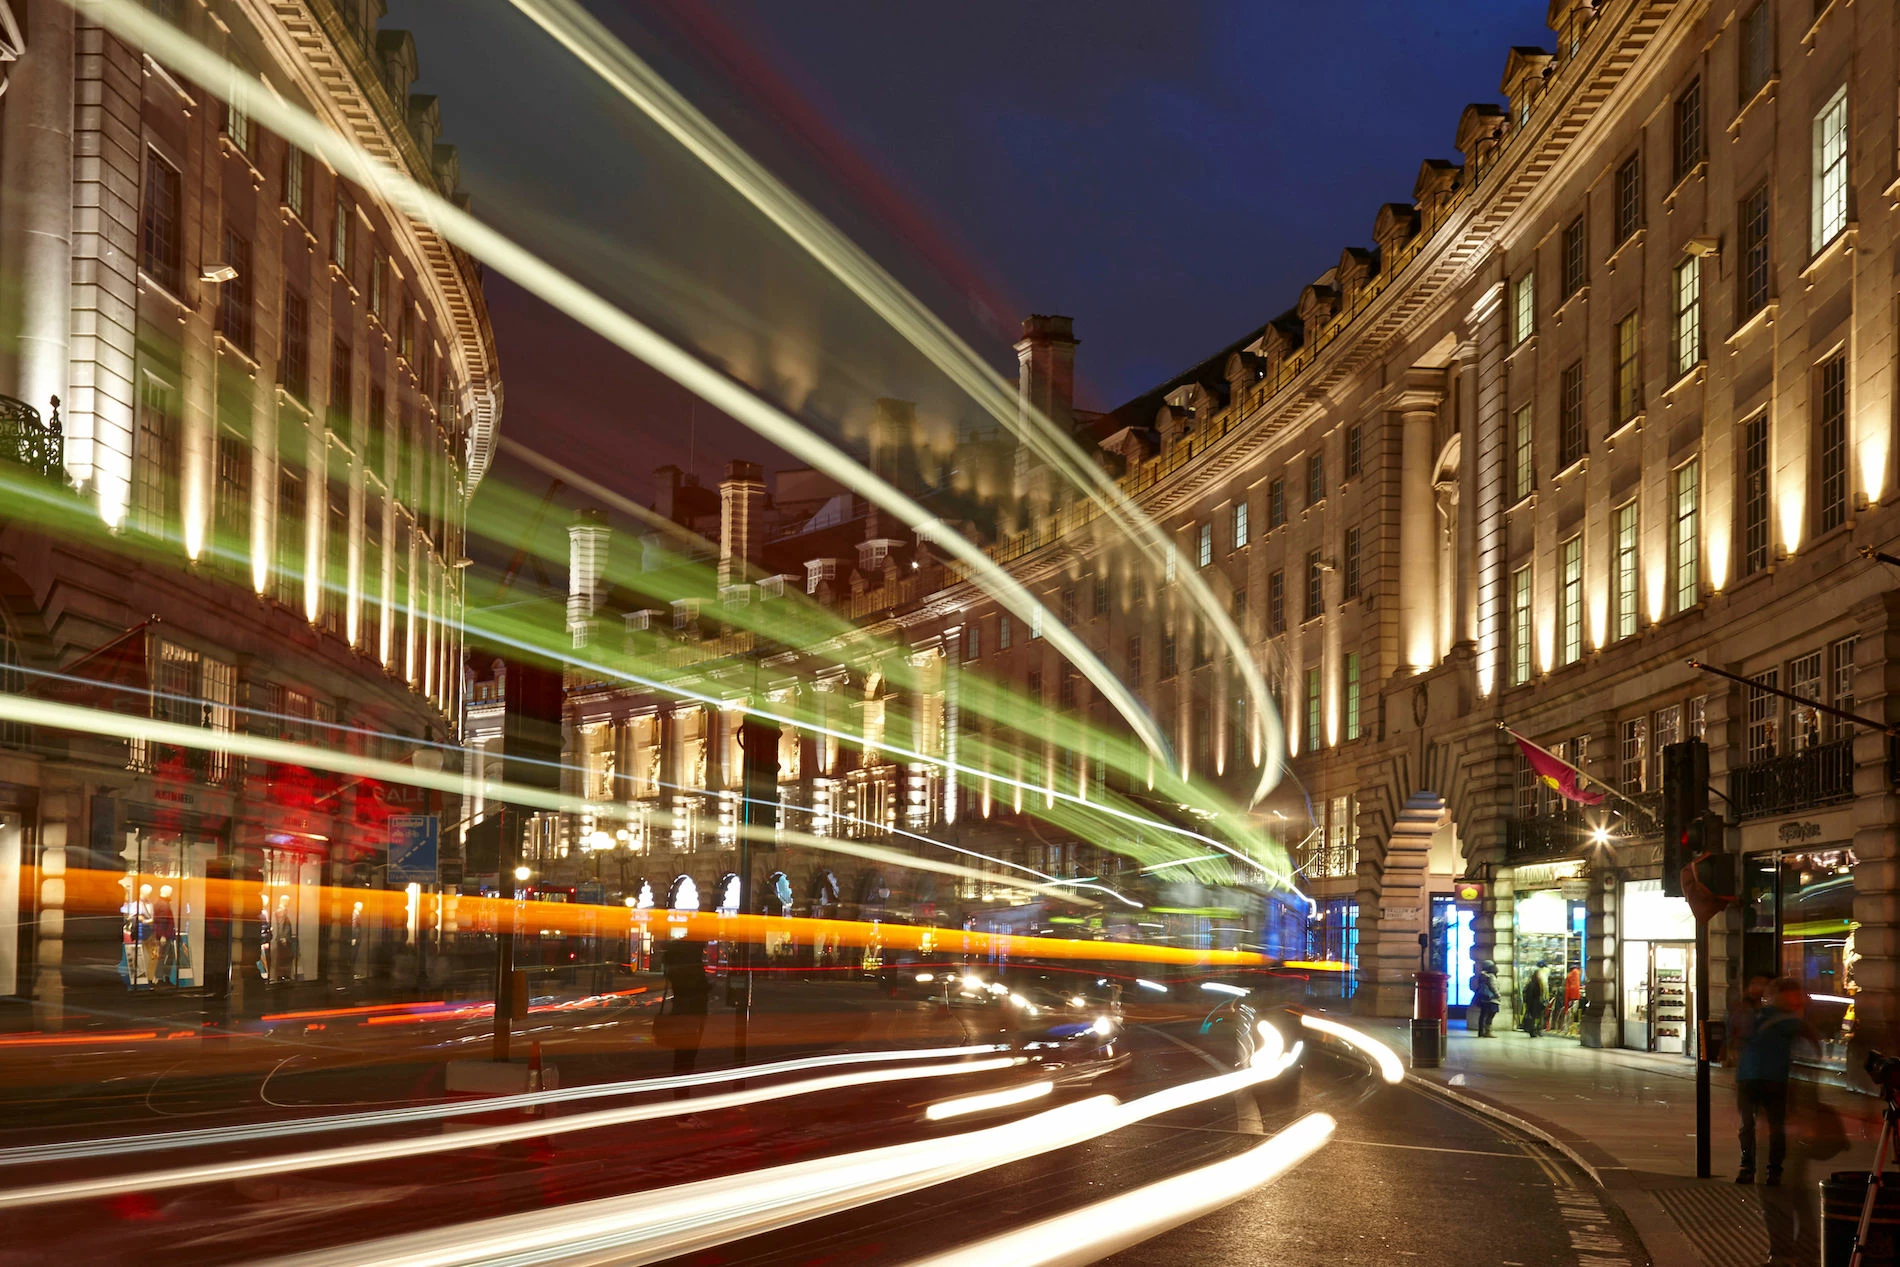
point(288, 914)
point(1798, 921)
point(1658, 970)
point(1548, 927)
point(162, 910)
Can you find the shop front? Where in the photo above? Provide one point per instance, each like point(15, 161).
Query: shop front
point(1547, 927)
point(1798, 920)
point(1657, 970)
point(167, 857)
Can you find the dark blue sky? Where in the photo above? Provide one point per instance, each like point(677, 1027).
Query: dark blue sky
point(1169, 174)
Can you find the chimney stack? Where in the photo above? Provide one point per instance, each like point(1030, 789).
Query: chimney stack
point(741, 521)
point(587, 539)
point(1045, 369)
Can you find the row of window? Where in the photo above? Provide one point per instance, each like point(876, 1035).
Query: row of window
point(1240, 514)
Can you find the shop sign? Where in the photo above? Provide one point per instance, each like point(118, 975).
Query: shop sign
point(1801, 832)
point(1575, 890)
point(1399, 914)
point(1545, 875)
point(1470, 891)
point(412, 848)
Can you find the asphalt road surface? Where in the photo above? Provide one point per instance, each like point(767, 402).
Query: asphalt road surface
point(1408, 1177)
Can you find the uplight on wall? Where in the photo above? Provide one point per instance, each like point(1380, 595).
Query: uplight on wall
point(1792, 504)
point(1716, 548)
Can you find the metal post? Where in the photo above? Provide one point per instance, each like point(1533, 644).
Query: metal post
point(1703, 1168)
point(505, 930)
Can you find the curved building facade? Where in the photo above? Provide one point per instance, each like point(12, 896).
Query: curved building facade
point(243, 405)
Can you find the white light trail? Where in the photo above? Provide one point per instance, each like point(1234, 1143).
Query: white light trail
point(965, 1105)
point(1146, 984)
point(651, 1226)
point(1381, 1055)
point(479, 1137)
point(595, 46)
point(1098, 1230)
point(1220, 988)
point(252, 1131)
point(220, 78)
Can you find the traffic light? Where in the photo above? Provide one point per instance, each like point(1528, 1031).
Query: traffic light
point(1685, 808)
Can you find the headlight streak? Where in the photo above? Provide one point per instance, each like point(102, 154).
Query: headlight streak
point(170, 46)
point(386, 1150)
point(1221, 988)
point(651, 1226)
point(965, 1105)
point(1384, 1057)
point(1098, 1230)
point(596, 47)
point(1146, 984)
point(251, 1131)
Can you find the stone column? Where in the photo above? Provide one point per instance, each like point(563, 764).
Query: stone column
point(1418, 590)
point(1464, 627)
point(1388, 948)
point(1494, 937)
point(1602, 1016)
point(36, 211)
point(1876, 837)
point(1483, 450)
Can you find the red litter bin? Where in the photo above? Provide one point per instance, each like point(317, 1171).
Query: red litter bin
point(1428, 1020)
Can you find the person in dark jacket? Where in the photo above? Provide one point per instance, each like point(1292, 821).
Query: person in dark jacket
point(1535, 995)
point(1761, 1075)
point(1484, 996)
point(684, 963)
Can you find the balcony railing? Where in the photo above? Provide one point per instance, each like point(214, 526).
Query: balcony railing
point(1807, 779)
point(1330, 862)
point(26, 440)
point(1531, 839)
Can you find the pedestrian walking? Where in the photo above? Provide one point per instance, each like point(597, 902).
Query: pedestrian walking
point(1536, 995)
point(1484, 996)
point(1762, 1089)
point(1742, 1015)
point(1573, 996)
point(684, 963)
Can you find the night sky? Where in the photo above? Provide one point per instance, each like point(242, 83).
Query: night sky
point(1169, 174)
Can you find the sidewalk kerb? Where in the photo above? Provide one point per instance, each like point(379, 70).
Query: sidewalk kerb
point(1520, 1122)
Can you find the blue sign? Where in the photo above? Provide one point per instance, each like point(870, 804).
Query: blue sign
point(413, 841)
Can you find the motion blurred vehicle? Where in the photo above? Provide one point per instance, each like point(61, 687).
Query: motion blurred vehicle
point(1258, 1026)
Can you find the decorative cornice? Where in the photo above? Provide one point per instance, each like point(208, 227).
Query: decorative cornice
point(345, 91)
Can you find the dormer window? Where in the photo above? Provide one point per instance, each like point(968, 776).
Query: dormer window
point(818, 571)
point(685, 614)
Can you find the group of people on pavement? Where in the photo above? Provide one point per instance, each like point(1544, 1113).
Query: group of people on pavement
point(1540, 1003)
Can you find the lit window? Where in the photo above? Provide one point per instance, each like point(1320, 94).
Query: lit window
point(1521, 625)
point(1629, 383)
point(1623, 570)
point(1688, 323)
point(1831, 444)
point(1523, 308)
point(1686, 563)
point(1755, 494)
point(1240, 524)
point(1570, 600)
point(1312, 709)
point(1352, 695)
point(1830, 170)
point(1204, 547)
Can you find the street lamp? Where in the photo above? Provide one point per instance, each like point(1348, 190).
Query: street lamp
point(522, 874)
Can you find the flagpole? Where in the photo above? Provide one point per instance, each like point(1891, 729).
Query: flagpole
point(1633, 804)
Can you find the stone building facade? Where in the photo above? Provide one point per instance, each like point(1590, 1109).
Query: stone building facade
point(244, 406)
point(1614, 391)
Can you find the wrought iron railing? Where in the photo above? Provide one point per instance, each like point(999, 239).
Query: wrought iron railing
point(1806, 779)
point(26, 440)
point(1528, 839)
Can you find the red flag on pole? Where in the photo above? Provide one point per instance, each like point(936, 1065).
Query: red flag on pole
point(1557, 774)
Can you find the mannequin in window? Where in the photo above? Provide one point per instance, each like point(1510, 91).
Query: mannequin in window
point(165, 937)
point(264, 939)
point(144, 935)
